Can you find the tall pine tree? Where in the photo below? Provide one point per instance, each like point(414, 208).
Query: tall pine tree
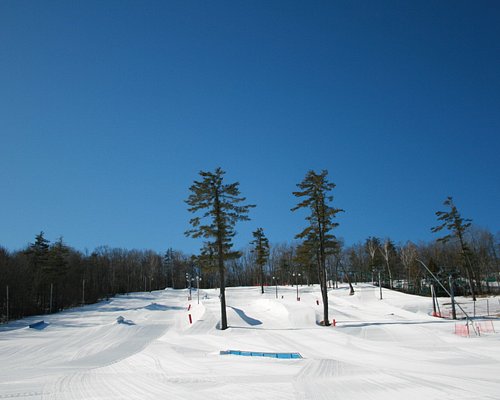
point(221, 208)
point(38, 254)
point(56, 270)
point(456, 226)
point(261, 251)
point(168, 263)
point(314, 189)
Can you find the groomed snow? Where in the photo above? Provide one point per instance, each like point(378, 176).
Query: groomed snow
point(380, 349)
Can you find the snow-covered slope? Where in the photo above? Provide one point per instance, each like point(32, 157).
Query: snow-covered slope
point(380, 349)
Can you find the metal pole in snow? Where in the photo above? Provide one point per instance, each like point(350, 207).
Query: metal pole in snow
point(50, 305)
point(297, 288)
point(198, 279)
point(380, 285)
point(296, 275)
point(433, 294)
point(83, 291)
point(7, 303)
point(446, 290)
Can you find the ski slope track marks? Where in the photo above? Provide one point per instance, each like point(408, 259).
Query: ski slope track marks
point(379, 349)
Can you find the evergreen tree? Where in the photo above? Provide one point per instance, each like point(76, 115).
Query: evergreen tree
point(56, 269)
point(221, 208)
point(305, 259)
point(168, 263)
point(207, 259)
point(57, 266)
point(314, 189)
point(39, 251)
point(261, 251)
point(453, 222)
point(38, 254)
point(207, 263)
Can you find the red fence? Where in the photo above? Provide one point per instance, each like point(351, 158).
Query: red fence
point(478, 329)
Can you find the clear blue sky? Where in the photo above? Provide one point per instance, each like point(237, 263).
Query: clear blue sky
point(109, 109)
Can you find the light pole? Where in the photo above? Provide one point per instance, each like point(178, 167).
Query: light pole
point(198, 279)
point(296, 275)
point(50, 304)
point(188, 279)
point(380, 284)
point(8, 303)
point(276, 283)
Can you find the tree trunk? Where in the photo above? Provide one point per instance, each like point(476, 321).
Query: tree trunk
point(337, 274)
point(322, 272)
point(262, 279)
point(325, 305)
point(468, 268)
point(220, 248)
point(351, 289)
point(223, 322)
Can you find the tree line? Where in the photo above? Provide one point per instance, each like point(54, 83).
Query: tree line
point(47, 277)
